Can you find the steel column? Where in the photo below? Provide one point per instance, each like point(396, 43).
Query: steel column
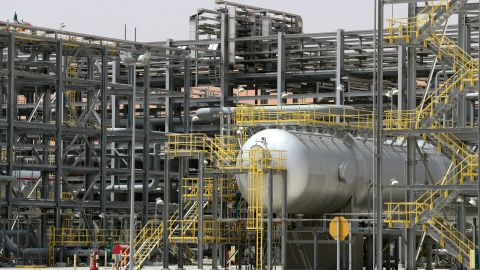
point(281, 67)
point(10, 135)
point(169, 86)
point(180, 185)
point(284, 220)
point(270, 221)
point(166, 213)
point(200, 212)
point(146, 142)
point(58, 135)
point(132, 167)
point(103, 141)
point(215, 222)
point(224, 80)
point(377, 178)
point(186, 91)
point(402, 77)
point(410, 162)
point(339, 67)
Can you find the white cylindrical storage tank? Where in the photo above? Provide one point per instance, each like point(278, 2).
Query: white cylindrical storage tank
point(324, 172)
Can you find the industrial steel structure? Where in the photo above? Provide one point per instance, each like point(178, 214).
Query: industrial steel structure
point(246, 143)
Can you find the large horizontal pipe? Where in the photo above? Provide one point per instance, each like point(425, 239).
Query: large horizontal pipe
point(214, 113)
point(137, 188)
point(31, 240)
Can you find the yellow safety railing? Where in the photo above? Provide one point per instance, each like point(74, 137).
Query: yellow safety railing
point(409, 119)
point(449, 233)
point(305, 114)
point(218, 155)
point(227, 231)
point(460, 150)
point(409, 213)
point(51, 246)
point(190, 188)
point(407, 27)
point(406, 119)
point(82, 237)
point(448, 47)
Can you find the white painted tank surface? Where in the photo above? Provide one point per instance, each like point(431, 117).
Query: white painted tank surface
point(324, 171)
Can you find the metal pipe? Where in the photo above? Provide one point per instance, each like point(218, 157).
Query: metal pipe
point(270, 221)
point(181, 170)
point(338, 243)
point(132, 173)
point(136, 188)
point(200, 212)
point(378, 136)
point(166, 205)
point(215, 113)
point(215, 223)
point(284, 221)
point(315, 251)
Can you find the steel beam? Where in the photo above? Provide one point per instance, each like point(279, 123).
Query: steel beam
point(339, 68)
point(281, 67)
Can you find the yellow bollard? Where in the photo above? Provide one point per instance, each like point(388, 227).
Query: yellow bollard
point(74, 261)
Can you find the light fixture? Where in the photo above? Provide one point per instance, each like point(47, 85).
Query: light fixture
point(195, 118)
point(62, 25)
point(77, 214)
point(341, 88)
point(241, 89)
point(240, 131)
point(395, 91)
point(284, 94)
point(460, 199)
point(102, 215)
point(205, 162)
point(144, 58)
point(394, 182)
point(158, 201)
point(473, 201)
point(127, 58)
point(389, 94)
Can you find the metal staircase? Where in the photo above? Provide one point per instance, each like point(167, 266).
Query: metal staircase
point(424, 29)
point(424, 211)
point(151, 235)
point(449, 238)
point(223, 153)
point(417, 28)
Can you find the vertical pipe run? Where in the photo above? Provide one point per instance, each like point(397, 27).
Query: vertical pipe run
point(270, 221)
point(280, 67)
point(169, 86)
point(338, 243)
point(478, 155)
point(132, 173)
point(166, 206)
point(146, 142)
point(284, 220)
point(186, 87)
point(315, 251)
point(200, 212)
point(350, 257)
point(215, 222)
point(339, 68)
point(410, 262)
point(180, 209)
point(378, 137)
point(104, 143)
